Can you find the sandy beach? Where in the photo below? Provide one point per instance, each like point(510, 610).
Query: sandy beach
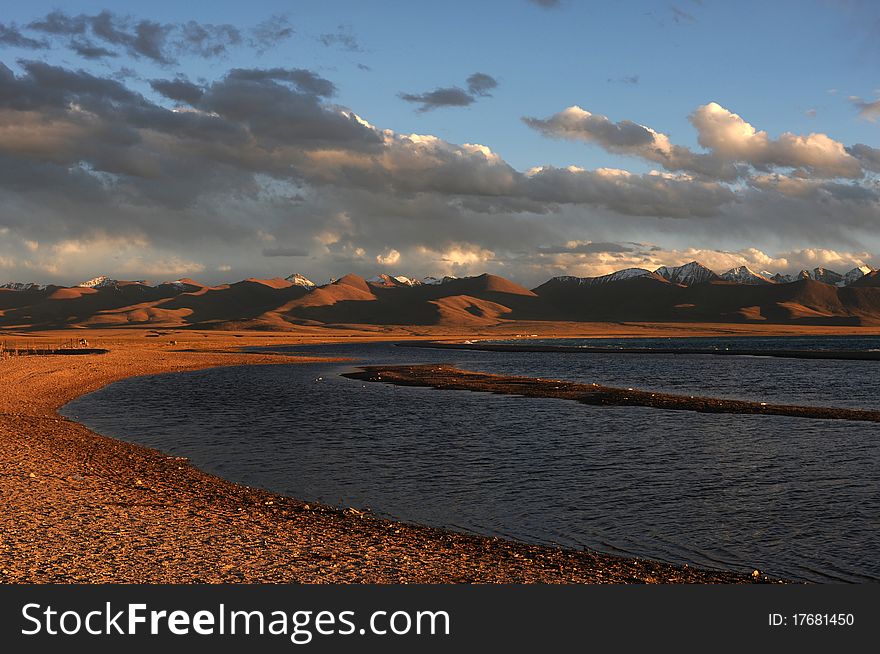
point(81, 507)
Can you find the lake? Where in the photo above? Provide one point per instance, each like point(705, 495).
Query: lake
point(793, 497)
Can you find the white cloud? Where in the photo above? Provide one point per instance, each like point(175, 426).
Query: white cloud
point(388, 258)
point(729, 139)
point(732, 138)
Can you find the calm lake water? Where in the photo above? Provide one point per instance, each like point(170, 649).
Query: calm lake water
point(793, 497)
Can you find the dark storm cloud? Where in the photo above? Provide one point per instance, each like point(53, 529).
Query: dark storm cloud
point(10, 35)
point(179, 89)
point(479, 85)
point(285, 252)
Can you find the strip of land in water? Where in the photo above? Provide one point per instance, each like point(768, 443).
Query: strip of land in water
point(841, 355)
point(82, 507)
point(447, 377)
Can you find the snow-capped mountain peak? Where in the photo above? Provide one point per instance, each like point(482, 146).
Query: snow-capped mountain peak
point(393, 280)
point(780, 278)
point(300, 280)
point(856, 274)
point(23, 286)
point(745, 275)
point(687, 274)
point(433, 281)
point(626, 273)
point(826, 276)
point(101, 281)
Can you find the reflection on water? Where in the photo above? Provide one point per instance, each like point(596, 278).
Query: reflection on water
point(794, 497)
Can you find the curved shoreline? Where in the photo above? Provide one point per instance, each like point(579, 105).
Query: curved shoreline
point(82, 507)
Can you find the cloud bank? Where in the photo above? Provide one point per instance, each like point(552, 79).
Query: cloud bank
point(260, 168)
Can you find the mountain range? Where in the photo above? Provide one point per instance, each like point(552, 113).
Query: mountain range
point(688, 293)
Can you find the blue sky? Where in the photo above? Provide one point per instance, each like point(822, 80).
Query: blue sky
point(768, 61)
point(782, 66)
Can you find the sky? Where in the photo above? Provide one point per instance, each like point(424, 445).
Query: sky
point(526, 138)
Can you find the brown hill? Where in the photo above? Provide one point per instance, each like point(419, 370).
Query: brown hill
point(59, 307)
point(475, 301)
point(646, 299)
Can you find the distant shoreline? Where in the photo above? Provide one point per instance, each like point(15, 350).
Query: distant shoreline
point(840, 355)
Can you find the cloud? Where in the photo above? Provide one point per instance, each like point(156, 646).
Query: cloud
point(585, 247)
point(206, 40)
point(443, 97)
point(306, 81)
point(388, 258)
point(343, 39)
point(11, 36)
point(547, 4)
point(479, 85)
point(731, 141)
point(868, 156)
point(88, 50)
point(627, 193)
point(732, 138)
point(679, 15)
point(285, 252)
point(270, 32)
point(627, 79)
point(869, 110)
point(594, 262)
point(628, 137)
point(254, 152)
point(179, 89)
point(107, 34)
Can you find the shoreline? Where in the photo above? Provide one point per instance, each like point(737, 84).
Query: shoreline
point(836, 355)
point(81, 507)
